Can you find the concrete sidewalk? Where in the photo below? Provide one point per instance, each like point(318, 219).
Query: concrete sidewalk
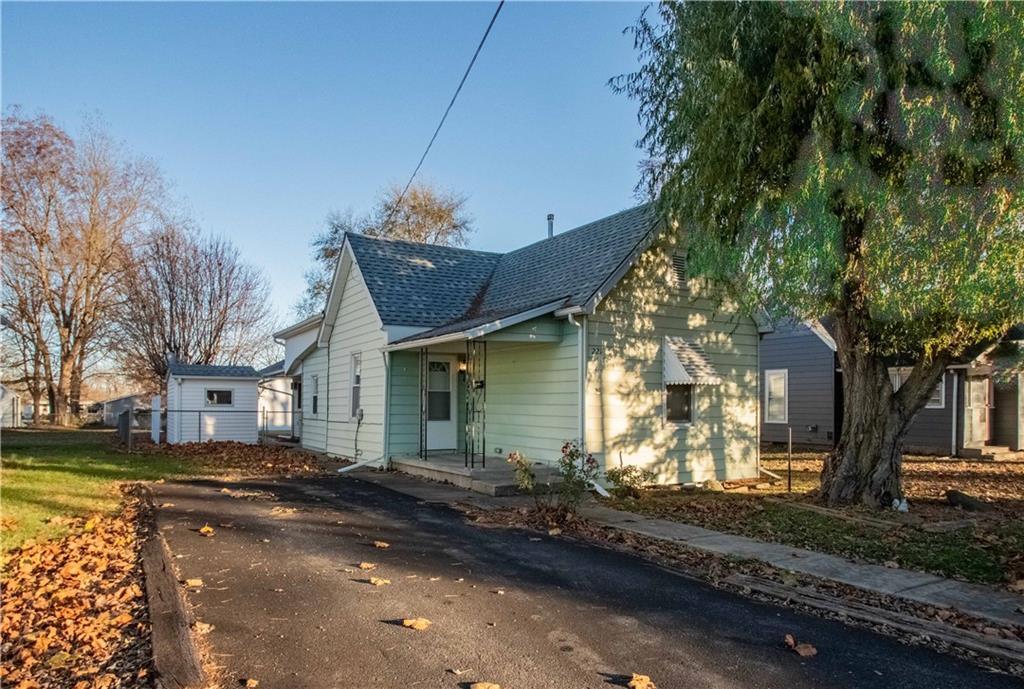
point(979, 601)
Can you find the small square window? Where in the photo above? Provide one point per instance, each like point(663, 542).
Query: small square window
point(219, 398)
point(679, 403)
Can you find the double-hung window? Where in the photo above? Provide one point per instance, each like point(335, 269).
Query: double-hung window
point(357, 381)
point(898, 376)
point(315, 392)
point(776, 395)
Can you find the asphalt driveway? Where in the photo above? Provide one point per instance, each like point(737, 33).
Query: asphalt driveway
point(290, 608)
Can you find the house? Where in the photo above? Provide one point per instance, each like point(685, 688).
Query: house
point(298, 340)
point(437, 354)
point(977, 408)
point(206, 402)
point(10, 408)
point(275, 400)
point(112, 408)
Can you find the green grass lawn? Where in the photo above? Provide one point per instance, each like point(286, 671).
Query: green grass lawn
point(49, 473)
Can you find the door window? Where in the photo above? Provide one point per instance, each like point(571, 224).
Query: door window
point(439, 391)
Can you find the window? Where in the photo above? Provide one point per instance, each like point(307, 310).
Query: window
point(898, 376)
point(357, 381)
point(316, 393)
point(298, 395)
point(439, 391)
point(776, 396)
point(218, 398)
point(679, 403)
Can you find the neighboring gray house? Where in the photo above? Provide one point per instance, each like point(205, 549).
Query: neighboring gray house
point(977, 408)
point(433, 355)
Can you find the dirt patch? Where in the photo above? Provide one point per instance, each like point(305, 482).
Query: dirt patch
point(74, 609)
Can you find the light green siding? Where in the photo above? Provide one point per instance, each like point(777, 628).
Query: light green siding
point(314, 426)
point(625, 391)
point(532, 390)
point(404, 420)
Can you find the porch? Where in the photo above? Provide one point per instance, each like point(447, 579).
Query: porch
point(457, 408)
point(496, 478)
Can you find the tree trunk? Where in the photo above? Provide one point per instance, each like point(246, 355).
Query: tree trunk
point(37, 400)
point(866, 465)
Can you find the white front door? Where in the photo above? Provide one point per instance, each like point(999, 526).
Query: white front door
point(976, 432)
point(442, 419)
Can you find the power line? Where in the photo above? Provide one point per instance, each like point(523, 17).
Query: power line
point(469, 68)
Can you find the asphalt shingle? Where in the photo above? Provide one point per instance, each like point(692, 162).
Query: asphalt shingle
point(212, 371)
point(450, 289)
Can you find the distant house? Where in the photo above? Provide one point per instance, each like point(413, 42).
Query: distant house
point(10, 408)
point(298, 340)
point(212, 403)
point(977, 408)
point(428, 353)
point(111, 409)
point(275, 402)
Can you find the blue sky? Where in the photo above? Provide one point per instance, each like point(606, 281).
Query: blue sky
point(267, 117)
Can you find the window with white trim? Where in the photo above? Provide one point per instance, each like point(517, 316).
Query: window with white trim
point(679, 403)
point(315, 391)
point(356, 381)
point(898, 376)
point(219, 398)
point(776, 395)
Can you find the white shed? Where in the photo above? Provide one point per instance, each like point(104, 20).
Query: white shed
point(212, 403)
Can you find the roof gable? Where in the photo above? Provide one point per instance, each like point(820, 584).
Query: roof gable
point(446, 289)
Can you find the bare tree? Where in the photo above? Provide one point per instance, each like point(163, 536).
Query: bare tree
point(425, 214)
point(71, 211)
point(194, 297)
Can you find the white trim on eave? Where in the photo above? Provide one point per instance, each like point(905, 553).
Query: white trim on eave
point(476, 331)
point(300, 327)
point(818, 329)
point(346, 262)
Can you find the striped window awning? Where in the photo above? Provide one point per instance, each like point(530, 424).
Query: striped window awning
point(686, 363)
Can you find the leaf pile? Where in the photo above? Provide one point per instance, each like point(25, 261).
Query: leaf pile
point(242, 459)
point(74, 611)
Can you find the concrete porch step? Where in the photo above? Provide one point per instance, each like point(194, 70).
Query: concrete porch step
point(994, 453)
point(497, 479)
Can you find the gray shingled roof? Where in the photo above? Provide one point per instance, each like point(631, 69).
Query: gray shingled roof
point(420, 284)
point(212, 371)
point(454, 289)
point(272, 369)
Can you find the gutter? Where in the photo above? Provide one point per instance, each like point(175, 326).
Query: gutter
point(478, 331)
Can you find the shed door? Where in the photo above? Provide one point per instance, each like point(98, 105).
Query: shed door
point(442, 420)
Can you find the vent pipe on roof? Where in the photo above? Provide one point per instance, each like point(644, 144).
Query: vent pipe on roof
point(551, 225)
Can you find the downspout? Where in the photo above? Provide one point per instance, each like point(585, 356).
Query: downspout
point(581, 342)
point(955, 409)
point(327, 409)
point(387, 409)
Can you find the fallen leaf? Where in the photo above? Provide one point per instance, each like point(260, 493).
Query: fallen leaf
point(459, 672)
point(484, 685)
point(641, 682)
point(379, 581)
point(417, 623)
point(206, 530)
point(381, 544)
point(202, 627)
point(165, 505)
point(193, 583)
point(802, 649)
point(891, 564)
point(367, 565)
point(554, 531)
point(251, 683)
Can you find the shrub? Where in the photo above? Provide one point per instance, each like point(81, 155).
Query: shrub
point(577, 471)
point(629, 481)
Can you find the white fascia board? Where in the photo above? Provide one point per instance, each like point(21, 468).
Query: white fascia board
point(345, 260)
point(299, 328)
point(818, 329)
point(478, 331)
